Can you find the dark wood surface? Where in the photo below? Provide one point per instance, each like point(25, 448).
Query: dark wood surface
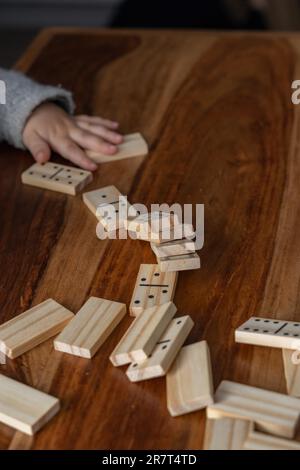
point(216, 110)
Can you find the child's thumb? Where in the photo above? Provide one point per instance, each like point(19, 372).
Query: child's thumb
point(39, 149)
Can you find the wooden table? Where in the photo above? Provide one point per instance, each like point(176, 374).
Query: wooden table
point(216, 110)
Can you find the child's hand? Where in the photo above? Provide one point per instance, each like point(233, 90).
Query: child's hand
point(50, 128)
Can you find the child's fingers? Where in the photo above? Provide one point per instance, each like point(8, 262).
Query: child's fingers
point(97, 120)
point(38, 147)
point(69, 150)
point(101, 131)
point(90, 141)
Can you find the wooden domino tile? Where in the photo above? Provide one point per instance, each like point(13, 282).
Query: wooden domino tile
point(260, 441)
point(24, 408)
point(226, 434)
point(90, 327)
point(272, 412)
point(179, 263)
point(152, 288)
point(55, 177)
point(178, 232)
point(151, 223)
point(189, 381)
point(143, 334)
point(134, 145)
point(106, 195)
point(164, 353)
point(33, 327)
point(114, 216)
point(110, 207)
point(269, 332)
point(174, 248)
point(292, 373)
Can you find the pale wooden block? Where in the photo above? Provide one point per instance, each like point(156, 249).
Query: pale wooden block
point(174, 248)
point(152, 288)
point(24, 408)
point(269, 332)
point(143, 334)
point(164, 353)
point(106, 195)
point(226, 433)
point(145, 225)
point(133, 145)
point(189, 381)
point(179, 263)
point(178, 232)
point(90, 327)
point(33, 327)
point(260, 441)
point(272, 412)
point(114, 216)
point(292, 373)
point(55, 177)
point(158, 227)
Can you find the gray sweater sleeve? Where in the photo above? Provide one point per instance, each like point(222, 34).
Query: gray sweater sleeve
point(23, 95)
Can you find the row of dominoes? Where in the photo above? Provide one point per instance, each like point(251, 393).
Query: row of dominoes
point(250, 418)
point(171, 241)
point(276, 334)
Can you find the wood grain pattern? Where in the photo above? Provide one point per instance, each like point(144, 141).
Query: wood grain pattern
point(90, 327)
point(216, 111)
point(177, 247)
point(164, 352)
point(23, 407)
point(292, 373)
point(272, 412)
point(226, 433)
point(260, 441)
point(142, 335)
point(179, 263)
point(134, 145)
point(190, 381)
point(33, 327)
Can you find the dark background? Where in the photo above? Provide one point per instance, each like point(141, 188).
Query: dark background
point(20, 20)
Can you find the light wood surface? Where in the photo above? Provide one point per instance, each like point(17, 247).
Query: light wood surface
point(174, 248)
point(226, 433)
point(260, 441)
point(142, 335)
point(272, 412)
point(243, 165)
point(164, 352)
point(292, 373)
point(134, 145)
point(55, 177)
point(190, 381)
point(90, 327)
point(179, 263)
point(153, 287)
point(24, 408)
point(33, 327)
